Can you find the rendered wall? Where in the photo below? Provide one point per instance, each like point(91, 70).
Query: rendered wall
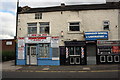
point(91, 20)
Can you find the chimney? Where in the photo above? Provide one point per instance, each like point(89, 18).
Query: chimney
point(25, 8)
point(62, 4)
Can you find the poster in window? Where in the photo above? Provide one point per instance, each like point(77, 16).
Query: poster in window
point(21, 53)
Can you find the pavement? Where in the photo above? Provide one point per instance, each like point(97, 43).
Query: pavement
point(10, 66)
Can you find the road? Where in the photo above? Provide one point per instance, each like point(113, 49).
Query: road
point(112, 74)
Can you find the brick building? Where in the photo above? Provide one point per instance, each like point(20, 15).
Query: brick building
point(8, 49)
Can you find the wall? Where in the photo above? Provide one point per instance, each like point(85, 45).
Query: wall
point(91, 20)
point(119, 25)
point(8, 51)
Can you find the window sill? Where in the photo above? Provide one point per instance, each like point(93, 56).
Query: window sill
point(74, 32)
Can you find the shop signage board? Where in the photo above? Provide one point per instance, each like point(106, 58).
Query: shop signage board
point(21, 53)
point(54, 41)
point(108, 47)
point(38, 40)
point(21, 46)
point(21, 42)
point(96, 35)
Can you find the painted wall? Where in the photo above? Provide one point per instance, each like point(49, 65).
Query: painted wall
point(119, 25)
point(90, 20)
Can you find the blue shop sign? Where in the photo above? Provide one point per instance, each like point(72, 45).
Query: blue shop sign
point(96, 35)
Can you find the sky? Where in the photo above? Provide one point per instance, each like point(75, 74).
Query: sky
point(8, 10)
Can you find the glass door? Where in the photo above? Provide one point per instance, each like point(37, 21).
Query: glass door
point(74, 54)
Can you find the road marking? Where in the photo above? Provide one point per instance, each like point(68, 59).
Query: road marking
point(86, 68)
point(45, 69)
point(71, 71)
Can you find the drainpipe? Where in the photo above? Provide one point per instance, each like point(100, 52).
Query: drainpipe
point(16, 31)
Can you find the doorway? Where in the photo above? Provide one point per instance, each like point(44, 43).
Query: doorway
point(31, 56)
point(91, 53)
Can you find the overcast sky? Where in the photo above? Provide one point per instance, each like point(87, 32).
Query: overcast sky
point(8, 12)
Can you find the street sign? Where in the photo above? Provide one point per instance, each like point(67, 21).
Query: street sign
point(96, 35)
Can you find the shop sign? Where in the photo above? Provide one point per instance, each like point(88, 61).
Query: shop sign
point(21, 53)
point(54, 41)
point(96, 35)
point(38, 40)
point(21, 42)
point(116, 49)
point(106, 43)
point(55, 58)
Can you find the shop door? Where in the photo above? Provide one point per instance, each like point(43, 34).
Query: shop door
point(31, 55)
point(91, 54)
point(74, 55)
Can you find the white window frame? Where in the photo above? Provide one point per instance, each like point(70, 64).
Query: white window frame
point(115, 58)
point(101, 58)
point(76, 60)
point(38, 15)
point(76, 25)
point(106, 24)
point(44, 26)
point(31, 26)
point(108, 59)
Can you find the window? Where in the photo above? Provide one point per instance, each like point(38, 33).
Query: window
point(106, 25)
point(44, 27)
point(74, 26)
point(43, 51)
point(32, 28)
point(74, 50)
point(38, 16)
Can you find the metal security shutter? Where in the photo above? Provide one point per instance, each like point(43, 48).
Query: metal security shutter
point(55, 52)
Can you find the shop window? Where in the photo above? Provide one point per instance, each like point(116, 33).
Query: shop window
point(106, 25)
point(43, 51)
point(74, 50)
point(74, 26)
point(32, 28)
point(44, 27)
point(55, 52)
point(38, 15)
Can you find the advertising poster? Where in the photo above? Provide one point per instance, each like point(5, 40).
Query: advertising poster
point(21, 53)
point(116, 49)
point(55, 42)
point(21, 42)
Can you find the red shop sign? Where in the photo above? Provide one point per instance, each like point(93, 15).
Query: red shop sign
point(116, 49)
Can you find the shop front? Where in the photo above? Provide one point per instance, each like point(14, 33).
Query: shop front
point(75, 53)
point(91, 44)
point(108, 52)
point(38, 50)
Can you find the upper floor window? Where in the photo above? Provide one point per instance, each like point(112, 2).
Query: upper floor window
point(74, 26)
point(106, 25)
point(38, 15)
point(44, 27)
point(32, 28)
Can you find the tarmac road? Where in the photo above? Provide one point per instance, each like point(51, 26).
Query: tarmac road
point(47, 74)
